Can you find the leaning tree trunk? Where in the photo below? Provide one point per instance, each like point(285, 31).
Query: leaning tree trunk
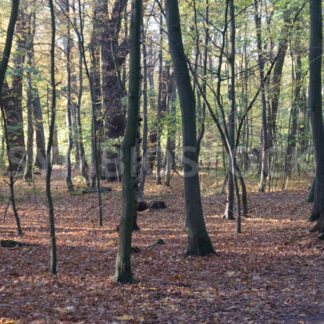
point(198, 240)
point(13, 99)
point(315, 107)
point(123, 262)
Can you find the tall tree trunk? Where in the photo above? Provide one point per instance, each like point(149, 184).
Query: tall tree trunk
point(113, 55)
point(49, 145)
point(99, 9)
point(28, 173)
point(296, 104)
point(3, 69)
point(145, 106)
point(69, 101)
point(264, 141)
point(83, 162)
point(123, 272)
point(198, 239)
point(152, 138)
point(315, 107)
point(170, 151)
point(159, 108)
point(231, 119)
point(13, 102)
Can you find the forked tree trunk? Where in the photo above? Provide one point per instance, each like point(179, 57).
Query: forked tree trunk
point(198, 240)
point(123, 272)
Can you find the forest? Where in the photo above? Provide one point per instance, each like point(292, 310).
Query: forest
point(161, 161)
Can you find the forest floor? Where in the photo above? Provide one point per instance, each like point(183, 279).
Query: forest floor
point(271, 273)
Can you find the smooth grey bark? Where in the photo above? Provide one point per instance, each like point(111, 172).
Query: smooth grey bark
point(198, 240)
point(123, 272)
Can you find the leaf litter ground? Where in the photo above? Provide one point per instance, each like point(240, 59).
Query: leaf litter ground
point(271, 273)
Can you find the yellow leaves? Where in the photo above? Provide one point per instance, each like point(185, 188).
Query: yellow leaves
point(124, 317)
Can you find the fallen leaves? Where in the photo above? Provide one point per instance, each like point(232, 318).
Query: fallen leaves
point(273, 271)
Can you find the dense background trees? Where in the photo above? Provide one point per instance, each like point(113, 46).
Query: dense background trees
point(267, 112)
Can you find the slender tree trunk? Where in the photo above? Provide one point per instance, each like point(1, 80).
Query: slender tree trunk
point(83, 162)
point(55, 147)
point(159, 109)
point(145, 106)
point(198, 240)
point(292, 132)
point(152, 138)
point(123, 272)
point(28, 174)
point(69, 102)
point(264, 155)
point(170, 154)
point(231, 119)
point(40, 160)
